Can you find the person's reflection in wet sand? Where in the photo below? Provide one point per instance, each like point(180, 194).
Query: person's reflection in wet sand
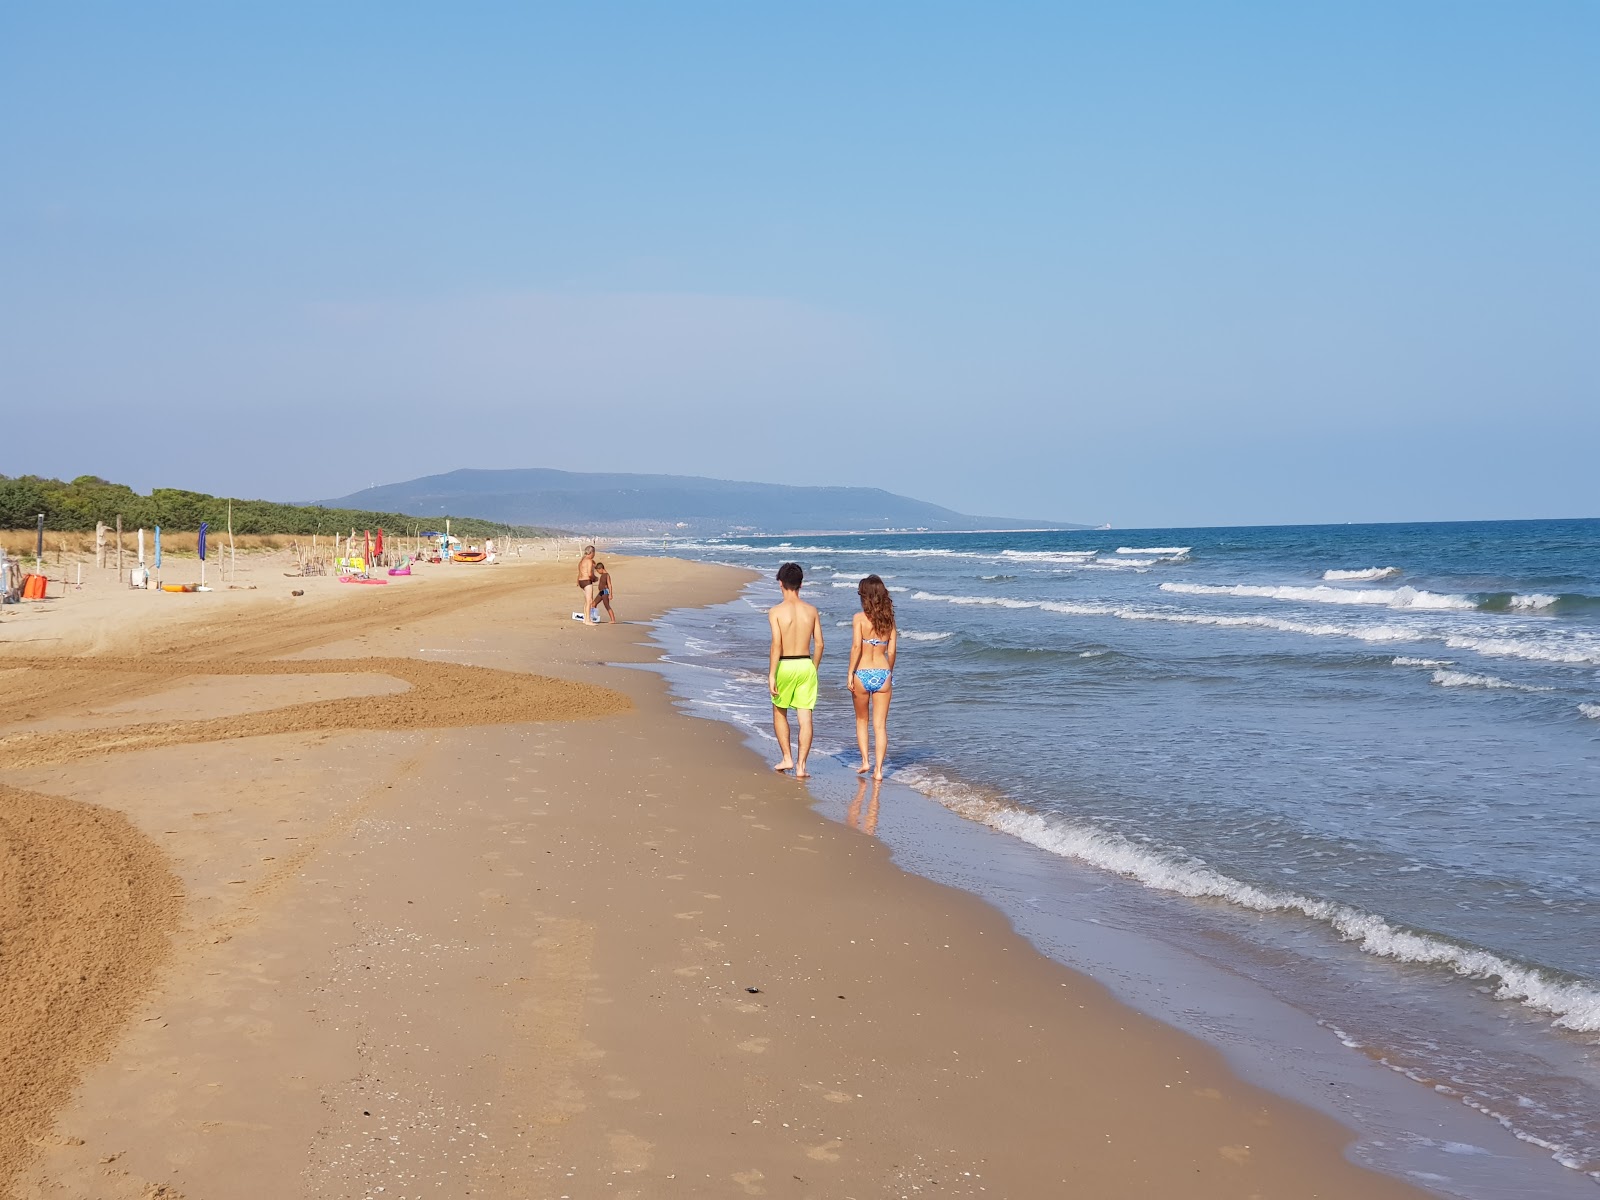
point(853, 818)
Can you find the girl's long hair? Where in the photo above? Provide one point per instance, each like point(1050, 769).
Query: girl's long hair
point(876, 604)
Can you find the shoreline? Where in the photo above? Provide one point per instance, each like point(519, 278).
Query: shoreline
point(630, 1052)
point(1157, 959)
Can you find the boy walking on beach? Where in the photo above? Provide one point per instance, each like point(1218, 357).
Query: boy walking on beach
point(792, 666)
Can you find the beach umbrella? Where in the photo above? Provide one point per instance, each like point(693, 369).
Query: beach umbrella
point(378, 545)
point(141, 545)
point(202, 543)
point(158, 547)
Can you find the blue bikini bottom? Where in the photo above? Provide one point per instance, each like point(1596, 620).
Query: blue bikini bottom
point(873, 679)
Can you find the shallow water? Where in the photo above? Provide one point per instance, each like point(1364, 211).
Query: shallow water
point(1365, 758)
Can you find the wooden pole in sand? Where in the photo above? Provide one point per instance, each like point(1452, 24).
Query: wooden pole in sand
point(119, 547)
point(233, 560)
point(100, 544)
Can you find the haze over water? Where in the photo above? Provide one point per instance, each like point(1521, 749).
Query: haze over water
point(1369, 754)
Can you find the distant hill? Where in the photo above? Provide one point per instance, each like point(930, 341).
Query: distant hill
point(682, 504)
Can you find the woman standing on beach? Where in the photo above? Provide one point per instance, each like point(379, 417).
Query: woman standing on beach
point(874, 640)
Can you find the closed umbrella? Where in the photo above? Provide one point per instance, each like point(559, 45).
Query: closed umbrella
point(204, 525)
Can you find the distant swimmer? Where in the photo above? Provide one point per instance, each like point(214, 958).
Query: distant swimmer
point(792, 666)
point(874, 641)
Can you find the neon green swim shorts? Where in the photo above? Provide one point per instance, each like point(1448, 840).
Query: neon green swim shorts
point(797, 683)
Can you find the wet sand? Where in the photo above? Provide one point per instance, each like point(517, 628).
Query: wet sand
point(469, 912)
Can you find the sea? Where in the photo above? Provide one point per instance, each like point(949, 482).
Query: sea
point(1326, 796)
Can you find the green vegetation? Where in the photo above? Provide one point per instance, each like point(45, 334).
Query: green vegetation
point(75, 507)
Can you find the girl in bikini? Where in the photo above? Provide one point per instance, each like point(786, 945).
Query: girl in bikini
point(874, 641)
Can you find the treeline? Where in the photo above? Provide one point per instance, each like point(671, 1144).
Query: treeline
point(75, 508)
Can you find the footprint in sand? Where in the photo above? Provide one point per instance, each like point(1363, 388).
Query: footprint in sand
point(628, 1151)
point(828, 1151)
point(756, 1045)
point(1235, 1154)
point(750, 1181)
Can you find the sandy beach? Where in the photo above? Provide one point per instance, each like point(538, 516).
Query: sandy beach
point(416, 891)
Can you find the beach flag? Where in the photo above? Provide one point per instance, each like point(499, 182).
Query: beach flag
point(203, 527)
point(158, 547)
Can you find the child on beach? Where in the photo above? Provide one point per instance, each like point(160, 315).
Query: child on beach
point(792, 666)
point(603, 582)
point(874, 641)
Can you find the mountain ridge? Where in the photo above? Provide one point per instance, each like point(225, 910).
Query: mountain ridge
point(628, 503)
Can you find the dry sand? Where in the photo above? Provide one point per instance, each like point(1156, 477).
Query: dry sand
point(401, 892)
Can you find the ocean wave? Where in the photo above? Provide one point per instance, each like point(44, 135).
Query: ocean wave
point(1538, 652)
point(1592, 711)
point(1405, 661)
point(1565, 604)
point(1366, 573)
point(1404, 597)
point(1367, 633)
point(1049, 556)
point(1162, 550)
point(1576, 653)
point(1466, 679)
point(920, 635)
point(1574, 1004)
point(1120, 563)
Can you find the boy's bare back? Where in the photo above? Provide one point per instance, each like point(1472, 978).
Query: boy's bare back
point(794, 625)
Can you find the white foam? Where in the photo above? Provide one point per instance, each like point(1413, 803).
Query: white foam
point(1404, 661)
point(1049, 556)
point(1465, 679)
point(1586, 652)
point(1125, 562)
point(1573, 652)
point(1534, 600)
point(918, 635)
point(1574, 1005)
point(1404, 597)
point(1368, 633)
point(1366, 573)
point(1592, 711)
point(1154, 549)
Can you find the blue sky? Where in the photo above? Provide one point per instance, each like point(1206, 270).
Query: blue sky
point(1141, 263)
